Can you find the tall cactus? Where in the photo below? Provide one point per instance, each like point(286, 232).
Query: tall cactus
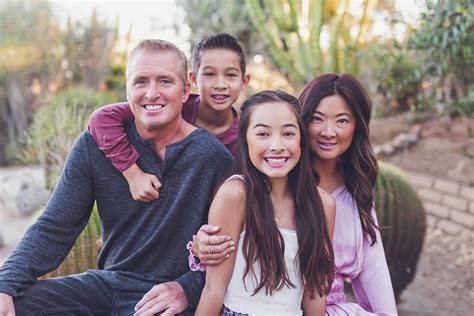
point(403, 225)
point(292, 30)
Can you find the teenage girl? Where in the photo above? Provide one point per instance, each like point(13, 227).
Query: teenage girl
point(272, 209)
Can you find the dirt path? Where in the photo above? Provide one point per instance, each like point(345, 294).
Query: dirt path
point(444, 281)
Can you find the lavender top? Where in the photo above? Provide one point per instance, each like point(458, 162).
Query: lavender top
point(357, 260)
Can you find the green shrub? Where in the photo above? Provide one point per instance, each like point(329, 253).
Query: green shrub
point(56, 124)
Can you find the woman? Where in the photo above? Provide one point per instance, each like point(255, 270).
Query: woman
point(336, 113)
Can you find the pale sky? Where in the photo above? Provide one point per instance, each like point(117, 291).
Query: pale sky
point(148, 18)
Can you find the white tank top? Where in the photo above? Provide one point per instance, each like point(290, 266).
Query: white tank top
point(285, 302)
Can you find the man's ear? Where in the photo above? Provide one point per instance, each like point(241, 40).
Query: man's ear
point(187, 90)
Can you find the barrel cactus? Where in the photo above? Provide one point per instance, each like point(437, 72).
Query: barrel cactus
point(83, 254)
point(403, 223)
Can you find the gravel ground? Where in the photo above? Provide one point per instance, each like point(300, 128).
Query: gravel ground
point(444, 281)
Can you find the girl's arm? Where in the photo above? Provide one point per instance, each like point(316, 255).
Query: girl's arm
point(314, 306)
point(231, 221)
point(106, 126)
point(373, 287)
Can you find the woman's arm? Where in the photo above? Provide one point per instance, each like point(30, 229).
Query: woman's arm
point(373, 287)
point(314, 306)
point(107, 127)
point(231, 221)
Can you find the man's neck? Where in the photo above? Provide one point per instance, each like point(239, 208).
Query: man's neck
point(169, 134)
point(215, 122)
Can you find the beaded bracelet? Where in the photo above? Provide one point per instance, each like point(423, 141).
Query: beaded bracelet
point(194, 263)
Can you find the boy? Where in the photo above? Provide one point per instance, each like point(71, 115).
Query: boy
point(218, 72)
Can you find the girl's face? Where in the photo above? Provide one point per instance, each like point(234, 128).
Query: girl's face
point(273, 139)
point(331, 128)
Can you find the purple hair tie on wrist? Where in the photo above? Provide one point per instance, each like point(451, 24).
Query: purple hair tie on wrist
point(194, 263)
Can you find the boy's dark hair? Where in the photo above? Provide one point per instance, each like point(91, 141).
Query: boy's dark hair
point(219, 40)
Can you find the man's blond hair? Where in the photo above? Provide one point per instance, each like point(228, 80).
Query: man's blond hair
point(155, 46)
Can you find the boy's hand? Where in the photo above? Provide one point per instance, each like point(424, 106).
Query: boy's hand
point(212, 250)
point(143, 186)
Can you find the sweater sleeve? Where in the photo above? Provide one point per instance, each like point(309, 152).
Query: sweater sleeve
point(373, 287)
point(192, 283)
point(107, 126)
point(48, 241)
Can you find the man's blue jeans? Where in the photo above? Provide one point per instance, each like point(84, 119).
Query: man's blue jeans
point(79, 294)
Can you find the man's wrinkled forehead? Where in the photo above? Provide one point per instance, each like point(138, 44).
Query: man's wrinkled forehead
point(157, 54)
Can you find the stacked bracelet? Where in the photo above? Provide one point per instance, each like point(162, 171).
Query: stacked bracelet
point(194, 263)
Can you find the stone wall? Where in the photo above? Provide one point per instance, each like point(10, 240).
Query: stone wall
point(449, 205)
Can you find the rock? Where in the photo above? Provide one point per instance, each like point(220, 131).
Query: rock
point(400, 141)
point(16, 186)
point(30, 198)
point(388, 149)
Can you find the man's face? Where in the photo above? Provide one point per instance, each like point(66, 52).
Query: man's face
point(155, 90)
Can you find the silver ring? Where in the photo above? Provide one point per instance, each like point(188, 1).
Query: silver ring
point(211, 251)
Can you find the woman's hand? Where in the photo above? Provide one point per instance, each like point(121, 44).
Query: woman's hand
point(210, 249)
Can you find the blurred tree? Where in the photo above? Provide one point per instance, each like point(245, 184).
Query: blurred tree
point(38, 57)
point(89, 50)
point(206, 17)
point(30, 46)
point(446, 38)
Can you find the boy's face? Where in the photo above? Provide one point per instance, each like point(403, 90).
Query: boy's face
point(219, 78)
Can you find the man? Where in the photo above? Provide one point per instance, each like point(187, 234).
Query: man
point(143, 259)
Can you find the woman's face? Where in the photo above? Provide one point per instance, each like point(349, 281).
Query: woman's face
point(331, 128)
point(273, 139)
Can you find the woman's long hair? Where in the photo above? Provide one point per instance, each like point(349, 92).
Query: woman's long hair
point(263, 243)
point(358, 164)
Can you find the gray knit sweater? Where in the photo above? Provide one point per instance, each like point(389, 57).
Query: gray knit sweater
point(143, 243)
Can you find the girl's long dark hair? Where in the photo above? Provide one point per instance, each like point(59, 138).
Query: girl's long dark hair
point(358, 164)
point(263, 243)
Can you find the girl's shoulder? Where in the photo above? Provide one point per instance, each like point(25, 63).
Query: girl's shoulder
point(232, 190)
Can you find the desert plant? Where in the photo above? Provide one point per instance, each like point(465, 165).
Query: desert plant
point(403, 224)
point(57, 124)
point(83, 254)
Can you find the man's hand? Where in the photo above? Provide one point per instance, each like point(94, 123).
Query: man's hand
point(212, 250)
point(165, 298)
point(6, 305)
point(143, 186)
